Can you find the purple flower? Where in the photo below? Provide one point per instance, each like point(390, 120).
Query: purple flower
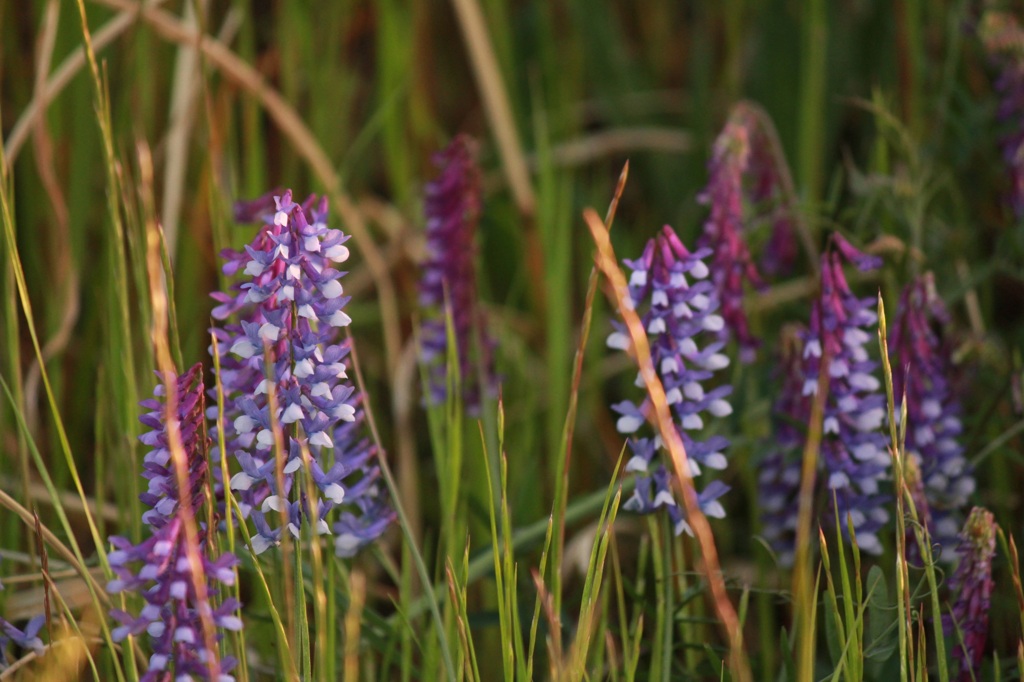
point(748, 182)
point(780, 471)
point(731, 263)
point(448, 284)
point(27, 638)
point(1004, 42)
point(678, 305)
point(922, 366)
point(176, 580)
point(853, 461)
point(289, 309)
point(972, 584)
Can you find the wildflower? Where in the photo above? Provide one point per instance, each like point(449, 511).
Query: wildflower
point(747, 177)
point(972, 584)
point(678, 306)
point(922, 367)
point(176, 580)
point(448, 284)
point(723, 231)
point(779, 477)
point(289, 306)
point(27, 638)
point(1004, 41)
point(853, 459)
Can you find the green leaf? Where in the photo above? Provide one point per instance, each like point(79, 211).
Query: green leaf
point(881, 636)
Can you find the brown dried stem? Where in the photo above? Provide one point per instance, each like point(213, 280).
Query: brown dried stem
point(662, 418)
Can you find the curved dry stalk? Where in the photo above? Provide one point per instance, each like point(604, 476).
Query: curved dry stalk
point(8, 502)
point(601, 144)
point(762, 122)
point(169, 374)
point(662, 417)
point(495, 100)
point(65, 272)
point(60, 78)
point(243, 74)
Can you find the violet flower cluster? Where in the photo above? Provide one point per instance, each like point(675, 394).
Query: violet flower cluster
point(922, 366)
point(972, 584)
point(853, 461)
point(1004, 41)
point(746, 173)
point(176, 579)
point(731, 262)
point(678, 304)
point(25, 638)
point(448, 285)
point(780, 470)
point(283, 348)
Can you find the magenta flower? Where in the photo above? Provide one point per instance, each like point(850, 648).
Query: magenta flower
point(748, 181)
point(289, 309)
point(448, 285)
point(1004, 42)
point(179, 616)
point(972, 584)
point(678, 305)
point(731, 263)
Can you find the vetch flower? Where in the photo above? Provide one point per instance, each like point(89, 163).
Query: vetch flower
point(176, 578)
point(922, 366)
point(731, 263)
point(972, 584)
point(678, 305)
point(853, 460)
point(285, 337)
point(26, 638)
point(779, 477)
point(448, 284)
point(748, 182)
point(1004, 41)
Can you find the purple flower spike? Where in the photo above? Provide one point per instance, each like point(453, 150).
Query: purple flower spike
point(678, 304)
point(922, 366)
point(853, 461)
point(1004, 41)
point(723, 231)
point(289, 307)
point(972, 584)
point(27, 638)
point(779, 477)
point(448, 284)
point(175, 580)
point(748, 184)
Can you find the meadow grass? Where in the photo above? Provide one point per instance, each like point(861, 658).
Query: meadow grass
point(131, 126)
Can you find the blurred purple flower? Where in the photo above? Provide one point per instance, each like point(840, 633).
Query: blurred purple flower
point(731, 264)
point(177, 592)
point(678, 306)
point(289, 307)
point(1004, 41)
point(748, 181)
point(27, 638)
point(922, 366)
point(779, 477)
point(448, 285)
point(853, 460)
point(972, 584)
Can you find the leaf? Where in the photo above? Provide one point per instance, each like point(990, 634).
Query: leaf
point(881, 635)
